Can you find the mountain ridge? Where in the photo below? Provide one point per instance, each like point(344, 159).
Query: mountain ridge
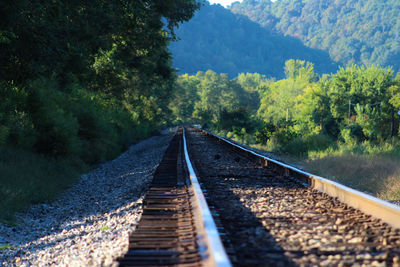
point(231, 43)
point(353, 32)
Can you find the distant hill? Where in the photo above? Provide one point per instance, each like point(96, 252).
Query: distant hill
point(229, 43)
point(352, 31)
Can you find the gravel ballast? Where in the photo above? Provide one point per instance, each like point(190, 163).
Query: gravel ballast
point(90, 223)
point(268, 218)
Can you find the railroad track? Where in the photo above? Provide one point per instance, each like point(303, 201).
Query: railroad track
point(268, 213)
point(176, 227)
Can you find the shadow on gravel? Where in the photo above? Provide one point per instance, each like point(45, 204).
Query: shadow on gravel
point(91, 210)
point(46, 227)
point(274, 221)
point(247, 241)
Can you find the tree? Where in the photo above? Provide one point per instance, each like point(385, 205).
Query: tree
point(217, 94)
point(335, 26)
point(280, 102)
point(362, 95)
point(314, 114)
point(185, 97)
point(109, 56)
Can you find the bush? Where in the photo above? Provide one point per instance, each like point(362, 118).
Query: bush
point(4, 132)
point(56, 126)
point(352, 134)
point(97, 134)
point(53, 131)
point(239, 117)
point(297, 146)
point(301, 146)
point(319, 142)
point(263, 134)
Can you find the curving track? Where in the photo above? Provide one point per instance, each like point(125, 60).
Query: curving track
point(270, 220)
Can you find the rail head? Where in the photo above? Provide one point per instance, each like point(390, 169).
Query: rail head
point(217, 253)
point(378, 208)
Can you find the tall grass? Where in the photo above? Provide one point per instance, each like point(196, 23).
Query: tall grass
point(375, 174)
point(373, 168)
point(28, 178)
point(366, 166)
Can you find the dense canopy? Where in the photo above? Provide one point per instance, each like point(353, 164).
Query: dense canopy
point(353, 32)
point(219, 40)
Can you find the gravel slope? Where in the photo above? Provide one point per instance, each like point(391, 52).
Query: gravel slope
point(89, 224)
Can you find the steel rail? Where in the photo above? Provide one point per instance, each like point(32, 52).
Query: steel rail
point(214, 243)
point(176, 227)
point(370, 205)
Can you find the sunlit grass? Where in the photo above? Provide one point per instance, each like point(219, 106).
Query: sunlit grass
point(6, 246)
point(104, 228)
point(379, 175)
point(391, 190)
point(372, 168)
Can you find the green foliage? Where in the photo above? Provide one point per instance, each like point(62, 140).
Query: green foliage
point(302, 145)
point(362, 95)
point(297, 114)
point(238, 117)
point(6, 246)
point(298, 69)
point(394, 90)
point(219, 100)
point(347, 135)
point(4, 132)
point(56, 128)
point(264, 133)
point(254, 84)
point(185, 98)
point(227, 43)
point(104, 228)
point(28, 178)
point(79, 82)
point(353, 32)
point(281, 100)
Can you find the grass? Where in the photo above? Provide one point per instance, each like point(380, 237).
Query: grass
point(6, 246)
point(27, 178)
point(379, 175)
point(104, 228)
point(372, 168)
point(9, 222)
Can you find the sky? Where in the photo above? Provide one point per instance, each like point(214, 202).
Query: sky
point(224, 3)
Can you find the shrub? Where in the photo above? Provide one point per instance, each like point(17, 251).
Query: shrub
point(263, 134)
point(55, 125)
point(4, 132)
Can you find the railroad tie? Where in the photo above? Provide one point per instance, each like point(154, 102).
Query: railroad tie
point(166, 233)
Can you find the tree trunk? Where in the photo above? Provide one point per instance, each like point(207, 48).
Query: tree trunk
point(392, 124)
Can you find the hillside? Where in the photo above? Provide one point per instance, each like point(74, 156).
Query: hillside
point(227, 43)
point(356, 31)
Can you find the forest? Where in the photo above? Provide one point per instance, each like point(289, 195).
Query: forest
point(362, 32)
point(79, 82)
point(306, 117)
point(217, 39)
point(356, 104)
